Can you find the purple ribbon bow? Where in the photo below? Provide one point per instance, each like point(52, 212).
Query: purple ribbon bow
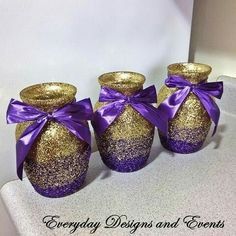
point(169, 107)
point(140, 101)
point(73, 116)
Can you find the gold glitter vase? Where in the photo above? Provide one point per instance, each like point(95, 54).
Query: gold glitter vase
point(57, 163)
point(190, 126)
point(126, 143)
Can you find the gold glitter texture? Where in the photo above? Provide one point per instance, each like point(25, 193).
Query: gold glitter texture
point(193, 72)
point(129, 125)
point(123, 81)
point(191, 114)
point(55, 143)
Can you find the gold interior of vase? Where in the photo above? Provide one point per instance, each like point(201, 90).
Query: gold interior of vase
point(123, 81)
point(48, 96)
point(194, 72)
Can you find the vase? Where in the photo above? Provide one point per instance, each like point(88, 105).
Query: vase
point(57, 162)
point(125, 145)
point(188, 129)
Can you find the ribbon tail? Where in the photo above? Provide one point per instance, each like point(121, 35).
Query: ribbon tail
point(169, 107)
point(210, 106)
point(151, 114)
point(106, 115)
point(25, 142)
point(214, 131)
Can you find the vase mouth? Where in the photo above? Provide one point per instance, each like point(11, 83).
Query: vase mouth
point(126, 79)
point(189, 68)
point(48, 94)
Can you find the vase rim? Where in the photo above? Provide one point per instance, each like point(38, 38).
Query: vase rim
point(48, 92)
point(189, 68)
point(121, 78)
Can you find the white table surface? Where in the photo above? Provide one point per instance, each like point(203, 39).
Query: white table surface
point(170, 186)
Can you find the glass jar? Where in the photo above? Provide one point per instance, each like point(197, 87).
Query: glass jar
point(125, 145)
point(190, 126)
point(58, 161)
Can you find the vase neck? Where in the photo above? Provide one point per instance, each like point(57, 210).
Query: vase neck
point(192, 72)
point(48, 96)
point(124, 82)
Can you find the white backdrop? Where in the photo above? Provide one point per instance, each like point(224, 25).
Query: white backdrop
point(76, 41)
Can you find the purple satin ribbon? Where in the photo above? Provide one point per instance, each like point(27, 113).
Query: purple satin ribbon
point(169, 107)
point(73, 116)
point(140, 101)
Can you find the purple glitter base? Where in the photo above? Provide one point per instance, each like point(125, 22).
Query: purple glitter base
point(127, 165)
point(180, 146)
point(61, 191)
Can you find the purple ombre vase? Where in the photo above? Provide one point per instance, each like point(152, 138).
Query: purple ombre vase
point(188, 129)
point(57, 162)
point(125, 145)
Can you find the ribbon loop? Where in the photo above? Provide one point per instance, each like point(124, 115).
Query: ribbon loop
point(73, 116)
point(140, 101)
point(204, 91)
